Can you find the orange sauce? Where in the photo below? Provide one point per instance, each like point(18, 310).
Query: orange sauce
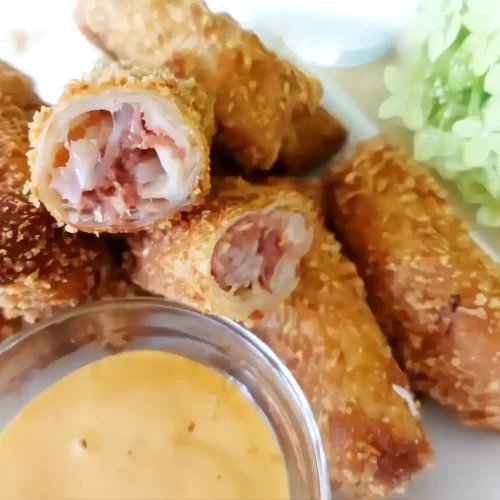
point(141, 425)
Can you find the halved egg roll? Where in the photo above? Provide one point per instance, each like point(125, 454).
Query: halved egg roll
point(18, 102)
point(259, 94)
point(236, 256)
point(42, 267)
point(434, 291)
point(328, 337)
point(310, 187)
point(311, 142)
point(122, 150)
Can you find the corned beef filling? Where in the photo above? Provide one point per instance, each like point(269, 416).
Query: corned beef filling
point(116, 166)
point(260, 250)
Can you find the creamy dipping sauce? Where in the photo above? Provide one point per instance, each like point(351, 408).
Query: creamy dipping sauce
point(141, 425)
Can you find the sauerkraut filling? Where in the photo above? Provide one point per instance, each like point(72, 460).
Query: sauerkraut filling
point(122, 166)
point(261, 252)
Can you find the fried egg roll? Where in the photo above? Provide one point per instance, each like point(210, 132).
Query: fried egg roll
point(434, 291)
point(258, 94)
point(122, 150)
point(42, 268)
point(14, 170)
point(18, 102)
point(311, 142)
point(326, 334)
point(236, 256)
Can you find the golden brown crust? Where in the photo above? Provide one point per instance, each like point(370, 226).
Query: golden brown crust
point(311, 188)
point(195, 101)
point(435, 293)
point(176, 262)
point(311, 142)
point(259, 94)
point(327, 336)
point(112, 282)
point(18, 102)
point(42, 268)
point(195, 105)
point(14, 143)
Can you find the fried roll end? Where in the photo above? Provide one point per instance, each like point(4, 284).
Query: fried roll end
point(42, 268)
point(237, 256)
point(122, 150)
point(329, 339)
point(259, 94)
point(434, 291)
point(311, 142)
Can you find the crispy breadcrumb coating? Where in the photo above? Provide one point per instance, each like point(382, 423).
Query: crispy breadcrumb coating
point(42, 268)
point(434, 291)
point(195, 105)
point(14, 143)
point(259, 94)
point(176, 262)
point(311, 188)
point(18, 102)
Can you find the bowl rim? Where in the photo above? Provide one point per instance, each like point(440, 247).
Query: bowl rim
point(237, 329)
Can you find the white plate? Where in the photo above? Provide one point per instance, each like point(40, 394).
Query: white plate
point(467, 461)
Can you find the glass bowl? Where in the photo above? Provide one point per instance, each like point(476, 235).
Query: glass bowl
point(46, 352)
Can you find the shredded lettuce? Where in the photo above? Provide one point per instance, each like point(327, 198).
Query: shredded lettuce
point(448, 93)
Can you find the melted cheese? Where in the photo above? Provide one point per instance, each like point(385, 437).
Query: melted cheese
point(141, 425)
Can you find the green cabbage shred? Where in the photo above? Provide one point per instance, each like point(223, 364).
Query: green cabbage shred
point(448, 94)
